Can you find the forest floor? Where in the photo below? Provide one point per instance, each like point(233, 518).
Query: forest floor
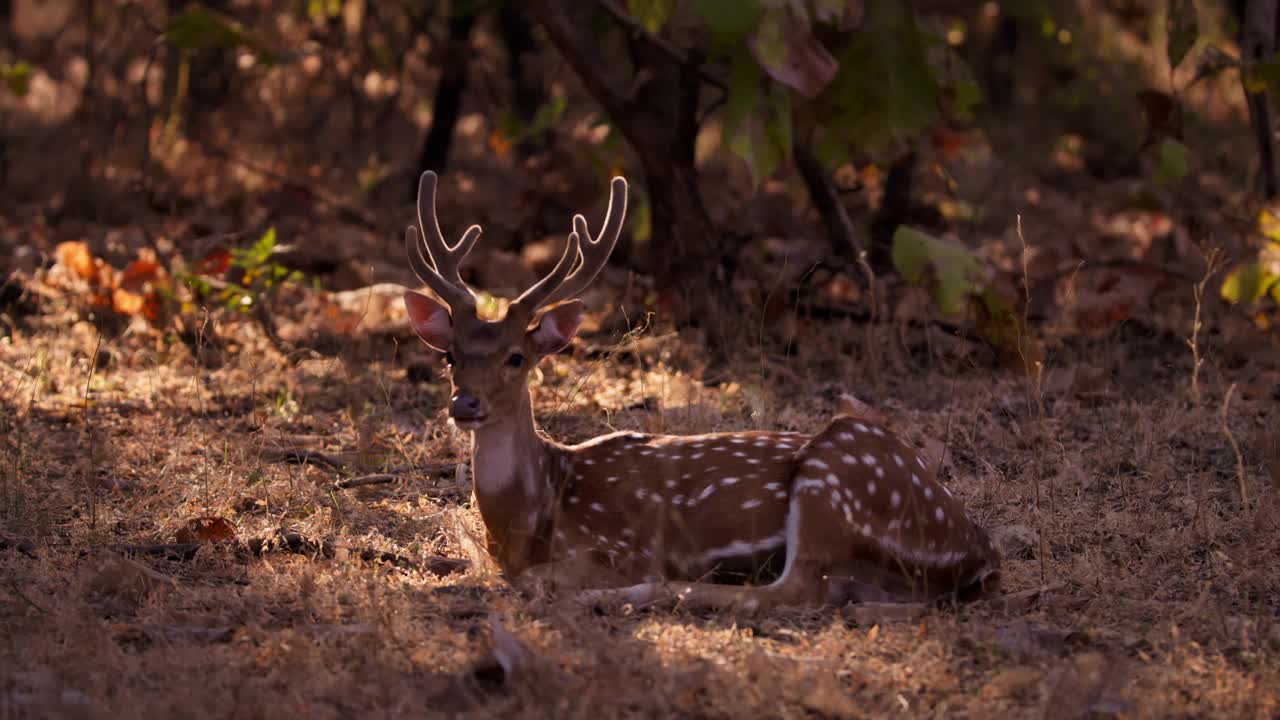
point(1108, 486)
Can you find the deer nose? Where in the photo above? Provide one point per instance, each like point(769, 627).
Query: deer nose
point(465, 407)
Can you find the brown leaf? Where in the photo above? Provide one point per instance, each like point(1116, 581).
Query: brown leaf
point(75, 256)
point(206, 530)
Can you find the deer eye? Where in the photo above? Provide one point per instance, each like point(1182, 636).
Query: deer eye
point(516, 360)
point(448, 359)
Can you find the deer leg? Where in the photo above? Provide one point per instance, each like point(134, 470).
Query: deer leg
point(711, 596)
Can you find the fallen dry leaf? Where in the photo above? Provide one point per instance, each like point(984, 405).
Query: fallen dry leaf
point(205, 530)
point(75, 256)
point(127, 302)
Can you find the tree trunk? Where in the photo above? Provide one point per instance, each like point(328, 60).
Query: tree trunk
point(1258, 43)
point(448, 100)
point(527, 93)
point(659, 121)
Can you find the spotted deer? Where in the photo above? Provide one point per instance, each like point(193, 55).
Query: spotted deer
point(851, 513)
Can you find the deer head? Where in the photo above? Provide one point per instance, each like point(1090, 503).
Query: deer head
point(489, 360)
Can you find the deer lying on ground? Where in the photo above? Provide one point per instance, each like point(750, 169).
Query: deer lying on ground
point(852, 513)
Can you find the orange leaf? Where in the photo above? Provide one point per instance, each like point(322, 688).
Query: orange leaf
point(206, 529)
point(75, 256)
point(500, 143)
point(139, 272)
point(127, 302)
point(100, 299)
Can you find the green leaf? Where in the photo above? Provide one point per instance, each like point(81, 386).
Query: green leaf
point(1172, 163)
point(18, 77)
point(651, 14)
point(950, 273)
point(1249, 283)
point(198, 28)
point(1269, 225)
point(1181, 30)
point(641, 213)
point(728, 20)
point(785, 46)
point(259, 254)
point(757, 120)
point(885, 88)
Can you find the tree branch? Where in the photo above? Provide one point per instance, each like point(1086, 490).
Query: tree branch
point(564, 35)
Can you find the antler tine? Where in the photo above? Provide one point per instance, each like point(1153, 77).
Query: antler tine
point(439, 268)
point(593, 254)
point(535, 296)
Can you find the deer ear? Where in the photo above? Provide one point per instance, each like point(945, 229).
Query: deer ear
point(556, 327)
point(430, 320)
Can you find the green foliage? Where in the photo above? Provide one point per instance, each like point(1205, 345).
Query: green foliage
point(321, 10)
point(260, 278)
point(1252, 282)
point(957, 280)
point(1171, 162)
point(757, 120)
point(17, 77)
point(855, 90)
point(951, 274)
point(199, 28)
point(515, 131)
point(652, 14)
point(728, 20)
point(886, 88)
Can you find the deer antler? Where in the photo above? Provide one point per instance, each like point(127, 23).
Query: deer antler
point(584, 256)
point(438, 268)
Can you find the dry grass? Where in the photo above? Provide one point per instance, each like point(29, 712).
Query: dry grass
point(1168, 588)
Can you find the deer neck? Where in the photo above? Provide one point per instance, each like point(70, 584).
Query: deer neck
point(511, 467)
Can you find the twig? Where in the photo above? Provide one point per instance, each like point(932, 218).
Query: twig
point(1122, 262)
point(299, 545)
point(1211, 265)
point(1235, 445)
point(389, 476)
point(304, 457)
point(826, 199)
point(677, 53)
point(1035, 374)
point(364, 480)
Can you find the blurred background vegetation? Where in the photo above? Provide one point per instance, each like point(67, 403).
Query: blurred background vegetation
point(1012, 171)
